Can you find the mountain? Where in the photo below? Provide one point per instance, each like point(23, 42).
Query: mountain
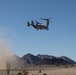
point(54, 61)
point(16, 61)
point(46, 59)
point(68, 60)
point(45, 56)
point(30, 58)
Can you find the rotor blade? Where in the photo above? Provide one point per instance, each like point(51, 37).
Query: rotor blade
point(45, 18)
point(42, 18)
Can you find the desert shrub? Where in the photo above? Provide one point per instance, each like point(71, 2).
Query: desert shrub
point(66, 66)
point(39, 71)
point(57, 65)
point(44, 74)
point(19, 73)
point(8, 67)
point(72, 65)
point(25, 72)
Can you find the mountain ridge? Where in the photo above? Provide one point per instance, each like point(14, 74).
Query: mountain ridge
point(46, 59)
point(30, 59)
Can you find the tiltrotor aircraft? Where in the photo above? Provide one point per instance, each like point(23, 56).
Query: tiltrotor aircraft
point(38, 25)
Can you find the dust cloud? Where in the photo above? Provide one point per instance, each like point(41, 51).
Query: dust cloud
point(6, 52)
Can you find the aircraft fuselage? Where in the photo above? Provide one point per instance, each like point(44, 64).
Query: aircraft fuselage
point(40, 27)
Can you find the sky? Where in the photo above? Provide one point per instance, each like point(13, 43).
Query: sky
point(59, 40)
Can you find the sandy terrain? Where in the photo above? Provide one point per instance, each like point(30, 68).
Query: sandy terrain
point(51, 71)
point(57, 71)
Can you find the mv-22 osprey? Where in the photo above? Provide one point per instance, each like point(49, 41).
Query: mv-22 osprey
point(38, 25)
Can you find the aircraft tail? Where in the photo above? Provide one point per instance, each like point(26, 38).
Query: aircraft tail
point(32, 22)
point(28, 24)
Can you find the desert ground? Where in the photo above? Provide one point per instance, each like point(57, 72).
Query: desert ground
point(57, 71)
point(44, 71)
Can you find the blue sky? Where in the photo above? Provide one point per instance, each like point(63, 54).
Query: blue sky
point(59, 40)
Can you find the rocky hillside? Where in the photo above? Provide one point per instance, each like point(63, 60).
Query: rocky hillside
point(46, 59)
point(30, 58)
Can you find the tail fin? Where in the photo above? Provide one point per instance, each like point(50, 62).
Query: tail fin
point(32, 22)
point(28, 24)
